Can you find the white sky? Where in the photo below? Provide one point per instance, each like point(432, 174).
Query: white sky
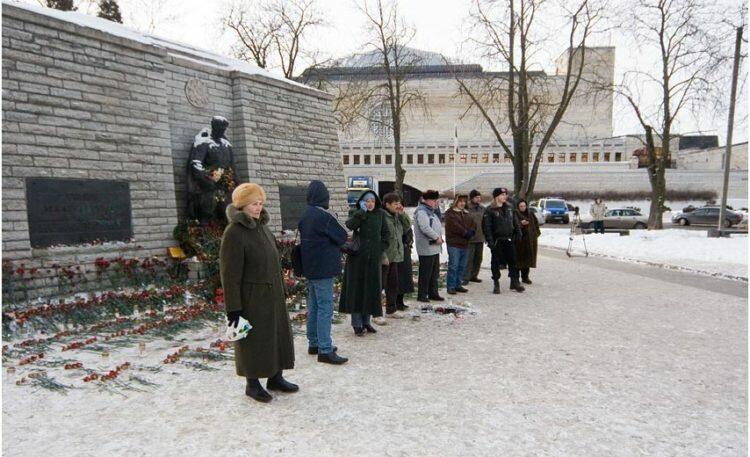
point(439, 27)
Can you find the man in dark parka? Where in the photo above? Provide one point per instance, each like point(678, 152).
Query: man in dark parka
point(360, 293)
point(253, 285)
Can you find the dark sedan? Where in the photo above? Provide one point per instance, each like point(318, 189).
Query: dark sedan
point(707, 216)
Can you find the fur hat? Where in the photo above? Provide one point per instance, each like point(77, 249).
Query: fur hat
point(474, 193)
point(430, 195)
point(246, 193)
point(498, 191)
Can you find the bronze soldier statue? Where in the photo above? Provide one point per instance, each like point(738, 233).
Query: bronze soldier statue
point(211, 173)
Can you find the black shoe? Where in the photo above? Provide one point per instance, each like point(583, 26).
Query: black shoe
point(475, 280)
point(464, 282)
point(279, 383)
point(370, 329)
point(402, 307)
point(254, 390)
point(452, 291)
point(313, 350)
point(526, 281)
point(423, 299)
point(462, 289)
point(359, 331)
point(516, 285)
point(437, 298)
point(496, 288)
point(332, 358)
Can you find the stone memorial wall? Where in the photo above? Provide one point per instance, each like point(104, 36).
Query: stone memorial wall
point(92, 104)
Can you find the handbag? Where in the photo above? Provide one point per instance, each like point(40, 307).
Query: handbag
point(297, 259)
point(352, 246)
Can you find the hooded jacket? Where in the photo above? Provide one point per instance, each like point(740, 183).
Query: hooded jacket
point(321, 235)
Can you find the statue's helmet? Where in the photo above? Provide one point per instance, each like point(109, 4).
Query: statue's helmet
point(219, 125)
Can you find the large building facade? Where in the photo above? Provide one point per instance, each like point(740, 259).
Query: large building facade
point(584, 137)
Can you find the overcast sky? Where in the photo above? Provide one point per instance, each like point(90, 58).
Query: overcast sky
point(440, 26)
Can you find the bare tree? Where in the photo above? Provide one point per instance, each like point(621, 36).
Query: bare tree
point(528, 104)
point(684, 77)
point(385, 102)
point(271, 33)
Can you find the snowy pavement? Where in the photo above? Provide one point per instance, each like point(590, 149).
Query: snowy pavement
point(597, 358)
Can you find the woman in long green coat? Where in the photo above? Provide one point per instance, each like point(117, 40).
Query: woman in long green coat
point(253, 285)
point(360, 293)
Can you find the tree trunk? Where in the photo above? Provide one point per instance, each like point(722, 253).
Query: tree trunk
point(398, 185)
point(656, 178)
point(518, 152)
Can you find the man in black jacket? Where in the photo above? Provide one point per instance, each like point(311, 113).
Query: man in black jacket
point(501, 228)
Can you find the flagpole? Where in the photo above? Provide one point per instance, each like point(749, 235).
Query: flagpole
point(455, 157)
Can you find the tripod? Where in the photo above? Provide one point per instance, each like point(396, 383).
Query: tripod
point(575, 229)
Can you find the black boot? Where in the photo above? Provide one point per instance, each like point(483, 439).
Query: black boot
point(254, 390)
point(277, 382)
point(332, 358)
point(314, 350)
point(496, 287)
point(475, 279)
point(515, 284)
point(369, 328)
point(525, 278)
point(359, 331)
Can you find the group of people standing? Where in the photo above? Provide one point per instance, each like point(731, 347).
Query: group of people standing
point(378, 262)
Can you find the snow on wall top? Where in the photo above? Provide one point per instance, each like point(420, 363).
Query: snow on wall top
point(180, 50)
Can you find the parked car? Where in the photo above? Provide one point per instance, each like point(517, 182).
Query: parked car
point(552, 209)
point(537, 214)
point(619, 218)
point(708, 215)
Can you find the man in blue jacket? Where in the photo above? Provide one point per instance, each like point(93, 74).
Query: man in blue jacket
point(321, 238)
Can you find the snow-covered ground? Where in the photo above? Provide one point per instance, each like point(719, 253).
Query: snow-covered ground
point(567, 368)
point(674, 248)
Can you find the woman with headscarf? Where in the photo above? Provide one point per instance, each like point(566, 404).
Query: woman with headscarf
point(361, 289)
point(526, 247)
point(253, 285)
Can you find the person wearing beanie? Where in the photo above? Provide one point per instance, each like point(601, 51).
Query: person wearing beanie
point(501, 229)
point(321, 238)
point(250, 269)
point(475, 251)
point(459, 229)
point(428, 238)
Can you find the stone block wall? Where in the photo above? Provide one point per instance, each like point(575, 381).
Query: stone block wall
point(85, 98)
point(78, 103)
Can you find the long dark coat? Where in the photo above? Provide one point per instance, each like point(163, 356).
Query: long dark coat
point(254, 284)
point(405, 273)
point(526, 247)
point(360, 292)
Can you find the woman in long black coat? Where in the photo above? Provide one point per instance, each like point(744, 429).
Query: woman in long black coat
point(361, 289)
point(526, 247)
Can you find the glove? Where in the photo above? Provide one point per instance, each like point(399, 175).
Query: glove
point(470, 234)
point(234, 317)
